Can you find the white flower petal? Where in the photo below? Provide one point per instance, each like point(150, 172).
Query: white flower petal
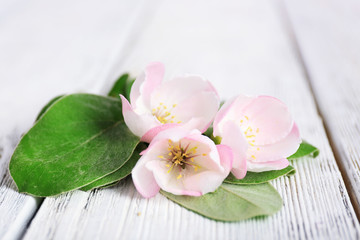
point(281, 149)
point(144, 180)
point(145, 84)
point(138, 124)
point(267, 166)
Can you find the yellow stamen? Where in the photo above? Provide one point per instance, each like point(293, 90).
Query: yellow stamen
point(162, 114)
point(253, 156)
point(181, 157)
point(172, 166)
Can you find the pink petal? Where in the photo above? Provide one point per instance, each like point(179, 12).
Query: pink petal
point(194, 183)
point(191, 193)
point(202, 106)
point(205, 145)
point(282, 149)
point(167, 180)
point(231, 110)
point(226, 157)
point(204, 182)
point(267, 166)
point(144, 180)
point(156, 166)
point(152, 147)
point(205, 128)
point(233, 137)
point(272, 118)
point(180, 89)
point(211, 178)
point(221, 114)
point(174, 134)
point(149, 135)
point(211, 88)
point(194, 123)
point(138, 124)
point(146, 83)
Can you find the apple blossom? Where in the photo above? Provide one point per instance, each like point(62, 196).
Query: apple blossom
point(189, 101)
point(260, 131)
point(181, 162)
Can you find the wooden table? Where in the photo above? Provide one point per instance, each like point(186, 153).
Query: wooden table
point(307, 53)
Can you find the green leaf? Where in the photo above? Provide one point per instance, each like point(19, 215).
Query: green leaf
point(209, 133)
point(122, 86)
point(48, 105)
point(305, 149)
point(119, 86)
point(128, 87)
point(121, 173)
point(80, 139)
point(108, 185)
point(260, 177)
point(232, 202)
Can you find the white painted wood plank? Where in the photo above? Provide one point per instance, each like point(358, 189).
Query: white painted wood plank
point(330, 46)
point(15, 209)
point(241, 46)
point(48, 48)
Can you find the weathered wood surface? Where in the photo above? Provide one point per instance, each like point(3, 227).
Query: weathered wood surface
point(242, 47)
point(330, 47)
point(47, 49)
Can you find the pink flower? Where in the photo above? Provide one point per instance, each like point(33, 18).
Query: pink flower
point(260, 131)
point(189, 101)
point(181, 162)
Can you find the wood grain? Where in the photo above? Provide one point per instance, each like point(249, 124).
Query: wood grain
point(329, 45)
point(48, 49)
point(242, 47)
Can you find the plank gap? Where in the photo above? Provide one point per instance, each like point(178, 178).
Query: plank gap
point(31, 217)
point(30, 206)
point(288, 26)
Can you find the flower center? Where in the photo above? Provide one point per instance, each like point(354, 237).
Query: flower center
point(180, 157)
point(249, 132)
point(163, 113)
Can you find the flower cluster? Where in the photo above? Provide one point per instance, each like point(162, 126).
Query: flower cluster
point(257, 134)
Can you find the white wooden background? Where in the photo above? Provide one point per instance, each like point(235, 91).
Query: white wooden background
point(307, 53)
